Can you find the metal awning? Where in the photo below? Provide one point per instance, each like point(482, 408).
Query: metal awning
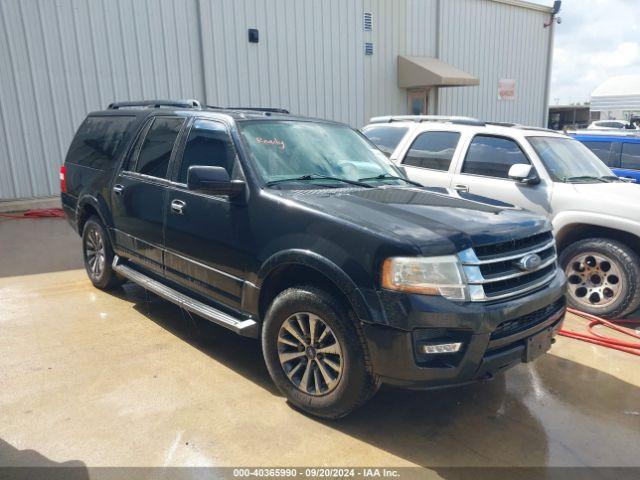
point(430, 72)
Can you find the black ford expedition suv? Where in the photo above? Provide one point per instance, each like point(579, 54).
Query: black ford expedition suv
point(301, 233)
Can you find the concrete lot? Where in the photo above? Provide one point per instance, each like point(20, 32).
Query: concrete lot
point(125, 379)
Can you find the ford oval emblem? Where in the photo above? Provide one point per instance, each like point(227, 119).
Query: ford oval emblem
point(529, 262)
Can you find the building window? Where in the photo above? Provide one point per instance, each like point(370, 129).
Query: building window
point(417, 99)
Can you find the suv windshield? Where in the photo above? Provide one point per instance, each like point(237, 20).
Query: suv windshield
point(301, 151)
point(568, 160)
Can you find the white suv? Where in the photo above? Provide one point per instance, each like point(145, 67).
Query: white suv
point(610, 125)
point(596, 215)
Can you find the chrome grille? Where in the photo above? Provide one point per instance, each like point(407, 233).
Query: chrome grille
point(493, 272)
point(486, 252)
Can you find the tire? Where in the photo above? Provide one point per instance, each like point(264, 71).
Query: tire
point(348, 386)
point(97, 246)
point(603, 277)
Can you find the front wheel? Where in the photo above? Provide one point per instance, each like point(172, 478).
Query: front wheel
point(314, 353)
point(603, 277)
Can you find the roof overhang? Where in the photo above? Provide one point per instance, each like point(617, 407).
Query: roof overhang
point(414, 72)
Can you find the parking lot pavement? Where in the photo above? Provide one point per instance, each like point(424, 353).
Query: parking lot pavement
point(126, 379)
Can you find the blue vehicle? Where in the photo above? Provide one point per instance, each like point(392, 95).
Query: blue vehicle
point(620, 151)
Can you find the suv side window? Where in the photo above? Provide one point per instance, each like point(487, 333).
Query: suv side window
point(601, 150)
point(386, 137)
point(155, 152)
point(99, 141)
point(432, 150)
point(208, 144)
point(631, 155)
point(492, 156)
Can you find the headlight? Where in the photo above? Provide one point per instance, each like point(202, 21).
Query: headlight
point(425, 275)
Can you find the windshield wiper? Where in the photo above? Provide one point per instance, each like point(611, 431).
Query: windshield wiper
point(315, 176)
point(386, 176)
point(612, 178)
point(583, 177)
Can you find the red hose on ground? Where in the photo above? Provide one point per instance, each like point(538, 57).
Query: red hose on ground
point(36, 213)
point(599, 339)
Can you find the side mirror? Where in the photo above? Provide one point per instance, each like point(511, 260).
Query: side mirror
point(213, 180)
point(523, 173)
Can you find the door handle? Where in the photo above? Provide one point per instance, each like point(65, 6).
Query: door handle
point(461, 188)
point(177, 207)
point(117, 189)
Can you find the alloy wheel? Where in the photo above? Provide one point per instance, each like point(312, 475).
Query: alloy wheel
point(595, 280)
point(310, 354)
point(95, 253)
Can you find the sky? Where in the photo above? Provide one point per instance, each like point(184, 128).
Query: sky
point(596, 39)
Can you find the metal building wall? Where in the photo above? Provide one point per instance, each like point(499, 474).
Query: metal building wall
point(61, 59)
point(494, 40)
point(309, 58)
point(490, 39)
point(388, 35)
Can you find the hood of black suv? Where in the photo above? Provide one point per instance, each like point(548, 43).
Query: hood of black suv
point(436, 222)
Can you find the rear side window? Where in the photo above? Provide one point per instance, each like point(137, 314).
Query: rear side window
point(99, 141)
point(432, 150)
point(601, 149)
point(209, 145)
point(155, 152)
point(630, 156)
point(610, 124)
point(386, 138)
point(492, 156)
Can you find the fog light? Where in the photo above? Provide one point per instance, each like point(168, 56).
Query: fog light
point(442, 348)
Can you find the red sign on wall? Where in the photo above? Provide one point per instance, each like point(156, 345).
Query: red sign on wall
point(506, 89)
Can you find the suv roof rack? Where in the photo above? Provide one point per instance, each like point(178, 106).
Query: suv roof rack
point(254, 109)
point(502, 124)
point(189, 103)
point(428, 118)
point(521, 127)
point(536, 129)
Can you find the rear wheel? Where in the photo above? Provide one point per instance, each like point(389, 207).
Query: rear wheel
point(314, 353)
point(603, 277)
point(98, 255)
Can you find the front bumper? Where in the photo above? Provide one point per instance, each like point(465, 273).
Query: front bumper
point(494, 336)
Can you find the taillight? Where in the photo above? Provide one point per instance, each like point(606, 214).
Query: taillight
point(63, 179)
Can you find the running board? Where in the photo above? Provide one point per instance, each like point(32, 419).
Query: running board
point(245, 327)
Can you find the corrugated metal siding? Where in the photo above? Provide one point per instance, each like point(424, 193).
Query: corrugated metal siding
point(402, 27)
point(492, 41)
point(309, 58)
point(380, 88)
point(603, 103)
point(61, 59)
point(420, 18)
